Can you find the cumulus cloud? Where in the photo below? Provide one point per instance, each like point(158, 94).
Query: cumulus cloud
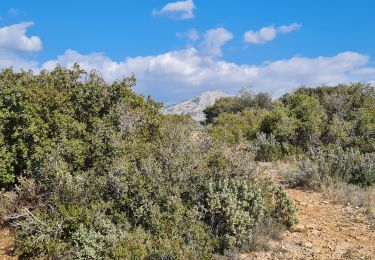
point(176, 75)
point(14, 38)
point(181, 10)
point(213, 40)
point(268, 33)
point(16, 47)
point(17, 62)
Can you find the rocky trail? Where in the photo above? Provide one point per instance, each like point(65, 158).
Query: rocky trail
point(325, 231)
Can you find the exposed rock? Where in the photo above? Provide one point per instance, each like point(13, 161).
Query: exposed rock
point(196, 105)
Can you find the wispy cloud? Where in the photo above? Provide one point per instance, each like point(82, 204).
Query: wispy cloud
point(191, 35)
point(13, 12)
point(289, 28)
point(268, 33)
point(180, 10)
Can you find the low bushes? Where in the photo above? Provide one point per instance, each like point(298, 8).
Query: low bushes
point(267, 148)
point(344, 176)
point(350, 166)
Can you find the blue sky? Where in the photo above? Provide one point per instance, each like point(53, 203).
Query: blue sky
point(177, 49)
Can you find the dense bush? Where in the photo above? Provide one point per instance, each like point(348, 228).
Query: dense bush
point(235, 128)
point(244, 100)
point(267, 148)
point(92, 171)
point(309, 117)
point(70, 111)
point(235, 207)
point(350, 166)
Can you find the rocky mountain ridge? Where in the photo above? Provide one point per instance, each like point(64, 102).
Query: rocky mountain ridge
point(195, 106)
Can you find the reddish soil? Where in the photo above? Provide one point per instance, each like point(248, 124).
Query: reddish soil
point(325, 231)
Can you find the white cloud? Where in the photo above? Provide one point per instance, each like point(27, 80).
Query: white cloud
point(177, 75)
point(289, 28)
point(265, 34)
point(14, 38)
point(268, 33)
point(16, 46)
point(181, 74)
point(181, 10)
point(213, 40)
point(17, 62)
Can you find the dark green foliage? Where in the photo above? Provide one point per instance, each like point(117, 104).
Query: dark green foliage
point(93, 171)
point(237, 104)
point(349, 112)
point(234, 128)
point(57, 110)
point(309, 117)
point(339, 120)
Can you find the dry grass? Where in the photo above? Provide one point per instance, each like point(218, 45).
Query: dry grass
point(351, 194)
point(265, 232)
point(334, 190)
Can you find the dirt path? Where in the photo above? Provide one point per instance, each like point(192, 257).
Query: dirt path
point(325, 231)
point(6, 244)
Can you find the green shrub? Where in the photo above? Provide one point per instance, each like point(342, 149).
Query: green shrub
point(94, 171)
point(267, 148)
point(284, 211)
point(234, 207)
point(237, 207)
point(343, 115)
point(350, 166)
point(244, 100)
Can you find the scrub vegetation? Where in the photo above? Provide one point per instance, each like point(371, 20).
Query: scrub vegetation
point(91, 170)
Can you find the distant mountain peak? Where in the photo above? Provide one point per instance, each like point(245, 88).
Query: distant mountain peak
point(195, 106)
